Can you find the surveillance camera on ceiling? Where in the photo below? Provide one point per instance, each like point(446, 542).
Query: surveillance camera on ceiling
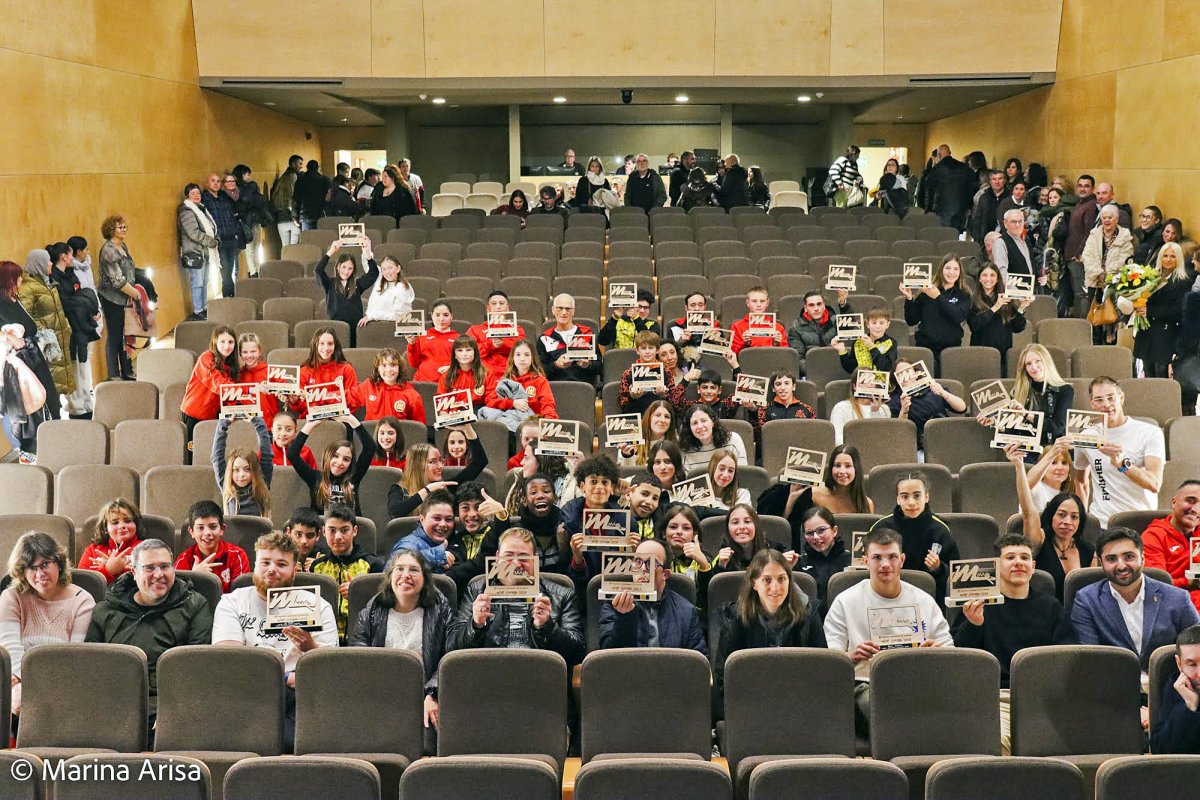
point(627, 96)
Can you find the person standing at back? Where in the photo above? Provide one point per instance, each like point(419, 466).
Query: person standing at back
point(733, 187)
point(948, 189)
point(679, 175)
point(281, 201)
point(644, 187)
point(844, 177)
point(229, 231)
point(308, 199)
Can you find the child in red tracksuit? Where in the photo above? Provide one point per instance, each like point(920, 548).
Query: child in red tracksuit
point(784, 404)
point(326, 363)
point(216, 366)
point(388, 392)
point(526, 370)
point(757, 301)
point(495, 352)
point(466, 372)
point(118, 531)
point(430, 355)
point(283, 430)
point(252, 369)
point(389, 444)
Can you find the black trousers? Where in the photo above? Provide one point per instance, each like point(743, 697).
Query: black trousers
point(120, 367)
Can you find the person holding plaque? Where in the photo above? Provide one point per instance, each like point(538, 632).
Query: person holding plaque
point(816, 326)
point(993, 319)
point(658, 425)
point(423, 465)
point(493, 352)
point(856, 408)
point(881, 613)
point(670, 621)
point(1167, 540)
point(757, 302)
point(252, 368)
point(677, 330)
point(553, 621)
point(215, 367)
point(877, 350)
point(1177, 726)
point(709, 389)
point(466, 372)
point(326, 363)
point(633, 399)
point(939, 310)
point(844, 489)
point(1059, 523)
point(933, 402)
point(1125, 473)
point(1039, 387)
point(743, 540)
point(701, 434)
point(927, 542)
point(152, 609)
point(344, 293)
point(783, 404)
point(823, 552)
point(770, 611)
point(342, 558)
point(679, 527)
point(243, 619)
point(408, 613)
point(1026, 618)
point(554, 342)
point(597, 478)
point(340, 472)
point(624, 324)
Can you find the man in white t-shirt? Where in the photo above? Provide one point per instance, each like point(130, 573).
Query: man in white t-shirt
point(848, 624)
point(241, 615)
point(1125, 473)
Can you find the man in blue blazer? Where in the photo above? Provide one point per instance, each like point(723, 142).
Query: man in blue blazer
point(1128, 609)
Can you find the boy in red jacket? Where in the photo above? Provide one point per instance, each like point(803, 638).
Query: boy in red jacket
point(1165, 541)
point(211, 553)
point(494, 352)
point(757, 301)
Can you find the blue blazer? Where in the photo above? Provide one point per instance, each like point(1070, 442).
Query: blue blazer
point(1166, 611)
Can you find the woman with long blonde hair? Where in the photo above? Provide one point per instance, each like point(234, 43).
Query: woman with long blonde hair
point(1040, 387)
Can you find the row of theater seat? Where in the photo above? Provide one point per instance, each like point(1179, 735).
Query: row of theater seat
point(459, 778)
point(222, 705)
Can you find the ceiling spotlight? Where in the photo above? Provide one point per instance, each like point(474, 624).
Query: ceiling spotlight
point(345, 119)
point(681, 98)
point(804, 98)
point(899, 117)
point(820, 95)
point(439, 101)
point(269, 103)
point(980, 102)
point(320, 111)
point(560, 99)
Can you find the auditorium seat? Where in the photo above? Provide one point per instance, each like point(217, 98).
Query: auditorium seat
point(460, 778)
point(995, 778)
point(71, 442)
point(271, 333)
point(167, 440)
point(989, 489)
point(652, 779)
point(164, 367)
point(956, 442)
point(881, 483)
point(289, 310)
point(231, 310)
point(13, 784)
point(622, 714)
point(828, 779)
point(193, 336)
point(1157, 398)
point(970, 364)
point(26, 490)
point(169, 491)
point(883, 441)
point(1095, 360)
point(299, 777)
point(59, 682)
point(281, 270)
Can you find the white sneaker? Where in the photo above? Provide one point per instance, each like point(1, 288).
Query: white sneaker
point(27, 458)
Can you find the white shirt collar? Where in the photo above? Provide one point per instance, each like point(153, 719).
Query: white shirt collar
point(1141, 595)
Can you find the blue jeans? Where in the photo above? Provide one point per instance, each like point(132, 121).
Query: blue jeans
point(197, 280)
point(229, 266)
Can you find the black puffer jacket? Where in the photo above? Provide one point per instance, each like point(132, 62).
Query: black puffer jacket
point(562, 633)
point(370, 630)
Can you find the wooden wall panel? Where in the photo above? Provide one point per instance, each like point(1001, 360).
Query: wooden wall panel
point(1181, 20)
point(856, 38)
point(766, 37)
point(397, 38)
point(465, 38)
point(1157, 115)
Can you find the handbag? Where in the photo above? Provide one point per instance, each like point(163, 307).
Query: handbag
point(47, 342)
point(1187, 372)
point(29, 393)
point(191, 260)
point(1102, 312)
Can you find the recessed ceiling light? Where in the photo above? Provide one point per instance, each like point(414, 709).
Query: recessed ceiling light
point(268, 103)
point(901, 116)
point(560, 99)
point(980, 102)
point(438, 101)
point(804, 98)
point(345, 119)
point(922, 108)
point(681, 98)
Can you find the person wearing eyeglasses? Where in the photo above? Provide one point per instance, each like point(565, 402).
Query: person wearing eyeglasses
point(670, 621)
point(153, 609)
point(823, 553)
point(554, 341)
point(41, 605)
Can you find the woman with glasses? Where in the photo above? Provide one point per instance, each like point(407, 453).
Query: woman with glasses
point(423, 466)
point(770, 611)
point(822, 553)
point(40, 605)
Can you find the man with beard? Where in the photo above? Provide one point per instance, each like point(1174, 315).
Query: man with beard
point(1166, 540)
point(242, 613)
point(152, 609)
point(1129, 609)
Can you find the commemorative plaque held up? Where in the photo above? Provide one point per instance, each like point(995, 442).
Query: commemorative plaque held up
point(410, 323)
point(698, 322)
point(751, 389)
point(582, 347)
point(912, 378)
point(760, 324)
point(627, 572)
point(1020, 427)
point(894, 627)
point(803, 467)
point(647, 377)
point(991, 397)
point(511, 579)
point(695, 492)
point(240, 401)
point(842, 276)
point(622, 295)
point(1018, 286)
point(872, 384)
point(974, 579)
point(916, 275)
point(352, 234)
point(858, 551)
point(623, 429)
point(850, 327)
point(1086, 428)
point(1193, 573)
point(557, 437)
point(717, 342)
point(293, 605)
point(326, 400)
point(501, 324)
point(452, 408)
point(282, 379)
point(606, 528)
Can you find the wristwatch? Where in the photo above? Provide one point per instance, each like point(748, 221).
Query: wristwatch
point(1126, 463)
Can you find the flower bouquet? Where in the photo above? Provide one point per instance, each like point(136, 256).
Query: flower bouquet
point(1132, 286)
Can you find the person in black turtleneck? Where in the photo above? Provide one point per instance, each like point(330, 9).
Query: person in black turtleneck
point(928, 543)
point(824, 553)
point(539, 515)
